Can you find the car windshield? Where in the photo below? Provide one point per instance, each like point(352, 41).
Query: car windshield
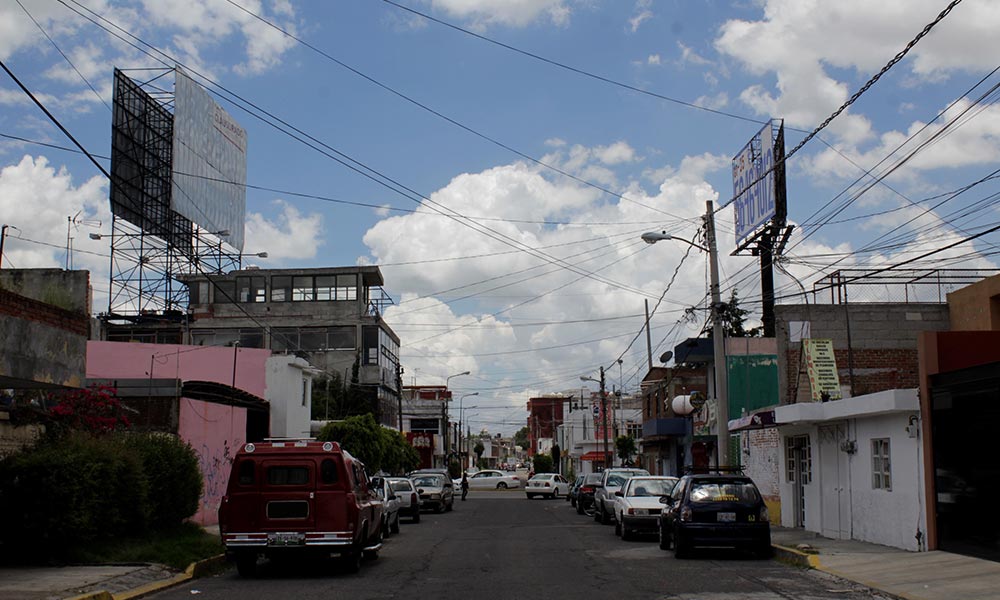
point(429, 481)
point(617, 480)
point(723, 491)
point(592, 479)
point(652, 487)
point(546, 477)
point(400, 486)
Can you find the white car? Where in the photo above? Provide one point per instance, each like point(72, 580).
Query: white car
point(637, 505)
point(409, 499)
point(490, 480)
point(551, 485)
point(391, 503)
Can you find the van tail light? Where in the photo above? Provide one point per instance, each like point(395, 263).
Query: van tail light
point(586, 490)
point(413, 498)
point(764, 516)
point(686, 514)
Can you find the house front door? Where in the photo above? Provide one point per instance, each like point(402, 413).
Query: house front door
point(835, 506)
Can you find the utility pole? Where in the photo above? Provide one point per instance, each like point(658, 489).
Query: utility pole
point(604, 413)
point(718, 344)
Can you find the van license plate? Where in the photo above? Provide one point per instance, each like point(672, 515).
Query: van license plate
point(285, 539)
point(726, 517)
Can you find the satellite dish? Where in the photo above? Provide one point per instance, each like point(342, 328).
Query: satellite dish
point(666, 356)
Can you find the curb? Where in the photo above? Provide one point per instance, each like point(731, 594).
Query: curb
point(193, 571)
point(797, 557)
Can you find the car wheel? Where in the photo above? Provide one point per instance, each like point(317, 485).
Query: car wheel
point(579, 508)
point(530, 496)
point(416, 516)
point(451, 505)
point(352, 561)
point(501, 486)
point(618, 527)
point(627, 533)
point(597, 513)
point(572, 501)
point(555, 493)
point(439, 508)
point(763, 550)
point(681, 549)
point(395, 524)
point(664, 538)
point(385, 528)
point(605, 519)
point(246, 564)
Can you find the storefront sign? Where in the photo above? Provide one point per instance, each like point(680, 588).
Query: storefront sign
point(821, 365)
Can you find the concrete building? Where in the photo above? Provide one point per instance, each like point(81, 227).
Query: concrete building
point(44, 326)
point(668, 442)
point(545, 414)
point(330, 317)
point(425, 423)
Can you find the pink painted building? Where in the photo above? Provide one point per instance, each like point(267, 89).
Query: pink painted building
point(227, 386)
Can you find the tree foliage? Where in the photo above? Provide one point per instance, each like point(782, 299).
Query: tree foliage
point(542, 463)
point(479, 448)
point(521, 437)
point(734, 320)
point(380, 448)
point(626, 448)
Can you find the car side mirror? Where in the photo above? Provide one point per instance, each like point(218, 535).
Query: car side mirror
point(668, 500)
point(420, 490)
point(619, 494)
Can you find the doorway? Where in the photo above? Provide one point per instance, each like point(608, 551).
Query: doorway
point(834, 487)
point(798, 472)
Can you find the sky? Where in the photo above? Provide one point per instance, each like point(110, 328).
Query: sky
point(499, 159)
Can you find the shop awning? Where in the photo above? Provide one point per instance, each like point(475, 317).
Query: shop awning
point(594, 456)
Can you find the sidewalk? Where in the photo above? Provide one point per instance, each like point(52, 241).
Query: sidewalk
point(910, 575)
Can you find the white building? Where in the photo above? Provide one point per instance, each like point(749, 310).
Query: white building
point(853, 468)
point(289, 392)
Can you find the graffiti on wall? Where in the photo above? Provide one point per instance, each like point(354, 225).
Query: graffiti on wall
point(215, 463)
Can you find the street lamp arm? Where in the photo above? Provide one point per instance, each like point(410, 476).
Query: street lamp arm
point(651, 237)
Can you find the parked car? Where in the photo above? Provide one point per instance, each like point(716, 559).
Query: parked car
point(409, 497)
point(550, 485)
point(574, 489)
point(436, 491)
point(585, 495)
point(612, 480)
point(490, 480)
point(298, 497)
point(637, 505)
point(708, 510)
point(390, 505)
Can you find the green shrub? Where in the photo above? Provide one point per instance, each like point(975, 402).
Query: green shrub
point(72, 490)
point(542, 463)
point(173, 478)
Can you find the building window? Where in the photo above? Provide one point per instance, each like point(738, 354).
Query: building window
point(281, 288)
point(305, 391)
point(881, 467)
point(251, 289)
point(634, 430)
point(302, 289)
point(347, 287)
point(225, 292)
point(798, 458)
point(324, 287)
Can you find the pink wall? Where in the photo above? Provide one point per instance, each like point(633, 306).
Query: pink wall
point(201, 363)
point(215, 431)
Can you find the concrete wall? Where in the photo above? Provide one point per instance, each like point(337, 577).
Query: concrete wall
point(68, 290)
point(761, 461)
point(289, 392)
point(216, 432)
point(976, 307)
point(43, 326)
point(883, 344)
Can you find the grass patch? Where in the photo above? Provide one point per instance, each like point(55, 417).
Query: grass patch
point(176, 548)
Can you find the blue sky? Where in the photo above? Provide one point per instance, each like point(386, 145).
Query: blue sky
point(466, 301)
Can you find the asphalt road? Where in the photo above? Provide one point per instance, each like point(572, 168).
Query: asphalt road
point(501, 544)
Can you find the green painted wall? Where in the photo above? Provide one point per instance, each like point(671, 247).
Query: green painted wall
point(753, 383)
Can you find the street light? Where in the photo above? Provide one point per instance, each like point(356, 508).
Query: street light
point(460, 423)
point(447, 425)
point(718, 339)
point(604, 415)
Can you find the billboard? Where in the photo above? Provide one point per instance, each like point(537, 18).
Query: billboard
point(757, 201)
point(821, 365)
point(141, 132)
point(210, 162)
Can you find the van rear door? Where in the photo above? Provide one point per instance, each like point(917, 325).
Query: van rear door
point(288, 498)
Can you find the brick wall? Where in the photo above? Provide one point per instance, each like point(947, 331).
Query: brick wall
point(883, 344)
point(15, 306)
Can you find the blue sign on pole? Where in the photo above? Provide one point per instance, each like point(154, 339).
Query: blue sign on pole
point(753, 183)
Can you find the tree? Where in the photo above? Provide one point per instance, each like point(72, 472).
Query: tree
point(399, 456)
point(328, 396)
point(96, 410)
point(542, 463)
point(625, 446)
point(733, 319)
point(359, 435)
point(479, 448)
point(521, 437)
point(556, 455)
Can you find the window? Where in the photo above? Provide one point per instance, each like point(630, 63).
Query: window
point(225, 292)
point(347, 287)
point(634, 430)
point(881, 467)
point(251, 289)
point(302, 289)
point(324, 287)
point(305, 391)
point(281, 288)
point(798, 458)
point(328, 471)
point(287, 475)
point(246, 472)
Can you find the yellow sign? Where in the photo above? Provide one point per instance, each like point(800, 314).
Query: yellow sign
point(821, 364)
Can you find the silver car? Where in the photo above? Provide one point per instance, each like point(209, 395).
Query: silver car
point(409, 500)
point(390, 505)
point(436, 491)
point(604, 496)
point(637, 505)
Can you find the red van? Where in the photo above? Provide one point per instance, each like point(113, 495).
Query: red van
point(289, 498)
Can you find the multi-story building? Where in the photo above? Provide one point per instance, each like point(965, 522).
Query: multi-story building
point(332, 317)
point(545, 414)
point(425, 421)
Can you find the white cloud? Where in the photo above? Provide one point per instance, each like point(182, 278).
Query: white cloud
point(641, 14)
point(617, 153)
point(510, 13)
point(653, 60)
point(289, 235)
point(689, 56)
point(717, 101)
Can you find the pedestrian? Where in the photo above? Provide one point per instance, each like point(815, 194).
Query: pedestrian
point(465, 485)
